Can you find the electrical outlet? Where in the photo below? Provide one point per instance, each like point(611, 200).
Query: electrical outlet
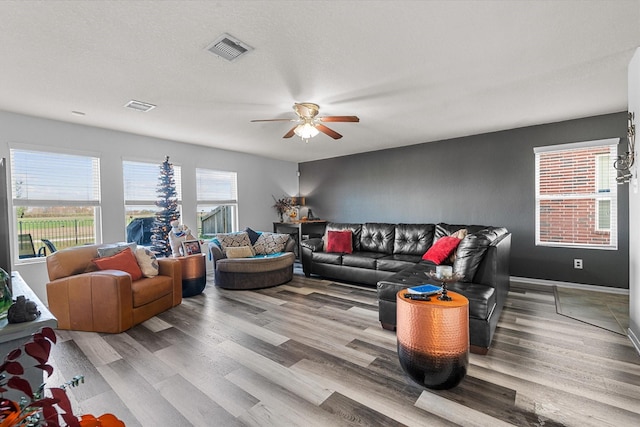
point(577, 263)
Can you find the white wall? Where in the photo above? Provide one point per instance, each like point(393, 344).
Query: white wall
point(258, 178)
point(634, 211)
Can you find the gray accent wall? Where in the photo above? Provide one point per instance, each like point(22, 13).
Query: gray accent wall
point(486, 179)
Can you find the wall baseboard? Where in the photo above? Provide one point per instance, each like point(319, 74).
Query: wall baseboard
point(544, 282)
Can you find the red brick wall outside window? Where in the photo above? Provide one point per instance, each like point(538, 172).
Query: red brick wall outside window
point(576, 197)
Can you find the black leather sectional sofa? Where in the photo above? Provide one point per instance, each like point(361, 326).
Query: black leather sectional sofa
point(389, 256)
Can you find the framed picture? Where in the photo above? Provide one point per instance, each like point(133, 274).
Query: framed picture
point(191, 247)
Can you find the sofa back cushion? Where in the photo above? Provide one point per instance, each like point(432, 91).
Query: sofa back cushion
point(472, 249)
point(443, 229)
point(71, 261)
point(377, 237)
point(413, 239)
point(356, 231)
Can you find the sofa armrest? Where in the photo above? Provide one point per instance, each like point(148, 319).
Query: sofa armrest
point(216, 253)
point(100, 301)
point(171, 267)
point(309, 246)
point(315, 244)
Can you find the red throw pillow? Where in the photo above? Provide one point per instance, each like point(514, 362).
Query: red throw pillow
point(124, 261)
point(339, 241)
point(441, 249)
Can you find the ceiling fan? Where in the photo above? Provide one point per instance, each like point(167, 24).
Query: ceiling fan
point(308, 124)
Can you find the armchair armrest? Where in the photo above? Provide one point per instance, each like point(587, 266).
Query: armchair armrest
point(99, 301)
point(171, 267)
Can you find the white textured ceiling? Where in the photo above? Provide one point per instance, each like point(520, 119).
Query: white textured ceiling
point(413, 71)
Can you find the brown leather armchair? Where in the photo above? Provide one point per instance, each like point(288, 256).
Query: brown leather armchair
point(83, 298)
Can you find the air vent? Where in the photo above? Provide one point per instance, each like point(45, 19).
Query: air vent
point(139, 106)
point(228, 48)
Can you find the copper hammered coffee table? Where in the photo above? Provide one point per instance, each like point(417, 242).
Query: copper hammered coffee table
point(433, 339)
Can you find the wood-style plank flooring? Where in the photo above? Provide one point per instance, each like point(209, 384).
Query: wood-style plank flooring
point(312, 353)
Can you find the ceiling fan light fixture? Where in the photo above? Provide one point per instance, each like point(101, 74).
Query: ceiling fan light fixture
point(306, 130)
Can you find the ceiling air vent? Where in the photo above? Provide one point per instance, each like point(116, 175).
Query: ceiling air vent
point(139, 106)
point(229, 48)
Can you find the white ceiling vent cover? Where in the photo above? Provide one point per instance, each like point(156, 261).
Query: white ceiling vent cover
point(139, 106)
point(228, 47)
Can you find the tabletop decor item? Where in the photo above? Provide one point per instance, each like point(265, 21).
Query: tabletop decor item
point(444, 274)
point(282, 206)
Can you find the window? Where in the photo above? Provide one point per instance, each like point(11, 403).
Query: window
point(56, 200)
point(140, 185)
point(217, 196)
point(576, 199)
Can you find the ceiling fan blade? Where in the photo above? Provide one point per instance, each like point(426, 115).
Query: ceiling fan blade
point(275, 120)
point(339, 119)
point(332, 133)
point(290, 133)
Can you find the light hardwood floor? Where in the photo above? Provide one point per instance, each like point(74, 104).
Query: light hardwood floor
point(312, 353)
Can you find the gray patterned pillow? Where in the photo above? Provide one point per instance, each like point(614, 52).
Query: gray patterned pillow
point(270, 243)
point(233, 240)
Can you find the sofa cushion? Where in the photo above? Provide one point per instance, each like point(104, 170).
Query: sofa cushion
point(240, 252)
point(413, 239)
point(482, 298)
point(149, 289)
point(356, 231)
point(361, 260)
point(472, 249)
point(147, 262)
point(396, 262)
point(339, 241)
point(327, 258)
point(443, 229)
point(123, 261)
point(270, 243)
point(441, 249)
point(227, 240)
point(377, 237)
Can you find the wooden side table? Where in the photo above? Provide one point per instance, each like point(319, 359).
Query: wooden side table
point(299, 228)
point(194, 274)
point(433, 339)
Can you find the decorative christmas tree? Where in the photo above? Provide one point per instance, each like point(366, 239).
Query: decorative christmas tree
point(168, 204)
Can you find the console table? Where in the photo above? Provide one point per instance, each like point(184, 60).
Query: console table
point(299, 228)
point(14, 335)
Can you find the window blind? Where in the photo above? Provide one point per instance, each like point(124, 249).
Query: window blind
point(40, 178)
point(216, 187)
point(141, 182)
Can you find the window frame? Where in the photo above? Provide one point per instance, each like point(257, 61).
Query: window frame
point(210, 201)
point(151, 201)
point(597, 196)
point(95, 201)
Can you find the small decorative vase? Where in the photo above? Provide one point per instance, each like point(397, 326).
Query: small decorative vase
point(5, 294)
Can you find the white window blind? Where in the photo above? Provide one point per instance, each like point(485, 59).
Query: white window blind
point(141, 182)
point(42, 178)
point(576, 195)
point(216, 187)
